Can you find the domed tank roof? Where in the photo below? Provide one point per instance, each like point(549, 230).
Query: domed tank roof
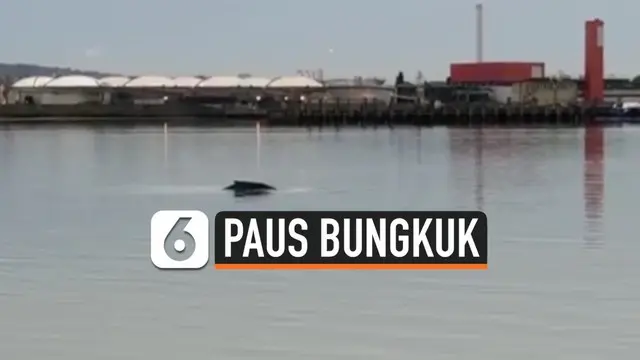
point(186, 81)
point(32, 82)
point(294, 81)
point(256, 82)
point(150, 81)
point(73, 81)
point(114, 81)
point(221, 81)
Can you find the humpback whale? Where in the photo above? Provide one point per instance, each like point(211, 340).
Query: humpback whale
point(247, 188)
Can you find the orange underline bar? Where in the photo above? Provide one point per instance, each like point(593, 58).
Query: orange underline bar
point(351, 266)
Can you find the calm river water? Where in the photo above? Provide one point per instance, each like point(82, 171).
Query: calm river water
point(563, 282)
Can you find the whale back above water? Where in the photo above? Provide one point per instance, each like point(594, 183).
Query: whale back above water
point(247, 188)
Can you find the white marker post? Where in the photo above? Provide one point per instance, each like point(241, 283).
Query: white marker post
point(258, 145)
point(165, 131)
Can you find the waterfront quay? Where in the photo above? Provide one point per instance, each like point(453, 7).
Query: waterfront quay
point(308, 114)
point(463, 114)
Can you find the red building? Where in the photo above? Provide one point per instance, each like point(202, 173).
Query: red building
point(495, 72)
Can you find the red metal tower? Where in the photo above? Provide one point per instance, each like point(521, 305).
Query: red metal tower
point(594, 61)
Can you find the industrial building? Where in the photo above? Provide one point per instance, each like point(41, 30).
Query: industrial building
point(495, 72)
point(516, 82)
point(527, 81)
point(545, 92)
point(78, 89)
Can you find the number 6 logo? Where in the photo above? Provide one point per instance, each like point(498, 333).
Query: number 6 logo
point(197, 229)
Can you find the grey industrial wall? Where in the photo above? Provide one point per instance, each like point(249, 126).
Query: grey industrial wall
point(542, 92)
point(44, 96)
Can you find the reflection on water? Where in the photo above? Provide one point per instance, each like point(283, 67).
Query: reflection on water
point(499, 144)
point(594, 158)
point(529, 157)
point(77, 282)
point(478, 169)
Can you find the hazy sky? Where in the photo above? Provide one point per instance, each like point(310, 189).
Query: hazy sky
point(277, 37)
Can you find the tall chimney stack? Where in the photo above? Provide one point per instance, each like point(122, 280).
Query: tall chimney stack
point(479, 34)
point(594, 61)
